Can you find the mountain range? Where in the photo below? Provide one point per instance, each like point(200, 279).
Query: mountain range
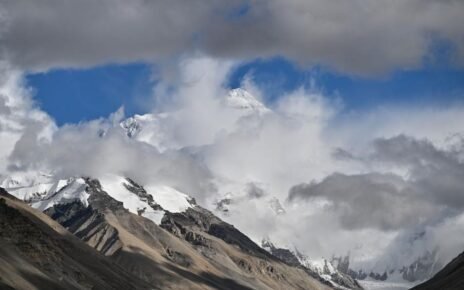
point(77, 235)
point(102, 244)
point(116, 232)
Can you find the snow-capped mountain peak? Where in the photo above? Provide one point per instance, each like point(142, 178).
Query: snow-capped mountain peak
point(156, 129)
point(146, 128)
point(46, 194)
point(151, 201)
point(243, 100)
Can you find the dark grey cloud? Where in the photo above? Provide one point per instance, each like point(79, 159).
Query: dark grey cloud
point(55, 33)
point(255, 191)
point(343, 155)
point(411, 152)
point(359, 36)
point(4, 109)
point(432, 191)
point(438, 173)
point(372, 200)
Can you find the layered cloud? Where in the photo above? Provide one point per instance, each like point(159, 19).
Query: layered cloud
point(360, 36)
point(413, 188)
point(430, 191)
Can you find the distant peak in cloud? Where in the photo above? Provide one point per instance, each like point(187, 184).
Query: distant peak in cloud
point(242, 99)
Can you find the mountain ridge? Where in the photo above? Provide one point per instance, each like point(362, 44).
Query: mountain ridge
point(191, 249)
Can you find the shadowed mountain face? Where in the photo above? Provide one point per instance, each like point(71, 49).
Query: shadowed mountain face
point(188, 250)
point(450, 278)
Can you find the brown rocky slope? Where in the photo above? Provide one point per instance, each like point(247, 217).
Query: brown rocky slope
point(189, 250)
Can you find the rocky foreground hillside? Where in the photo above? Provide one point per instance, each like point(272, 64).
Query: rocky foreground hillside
point(38, 253)
point(95, 242)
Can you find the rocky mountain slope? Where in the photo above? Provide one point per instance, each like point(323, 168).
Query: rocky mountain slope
point(162, 239)
point(114, 212)
point(38, 253)
point(339, 270)
point(451, 277)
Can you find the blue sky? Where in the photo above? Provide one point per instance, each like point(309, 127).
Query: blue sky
point(407, 61)
point(74, 95)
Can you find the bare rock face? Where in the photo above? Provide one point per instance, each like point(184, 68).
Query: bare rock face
point(284, 254)
point(88, 225)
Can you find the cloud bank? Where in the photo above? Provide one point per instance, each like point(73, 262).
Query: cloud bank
point(361, 36)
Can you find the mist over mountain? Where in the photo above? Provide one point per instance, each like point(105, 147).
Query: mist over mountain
point(239, 145)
